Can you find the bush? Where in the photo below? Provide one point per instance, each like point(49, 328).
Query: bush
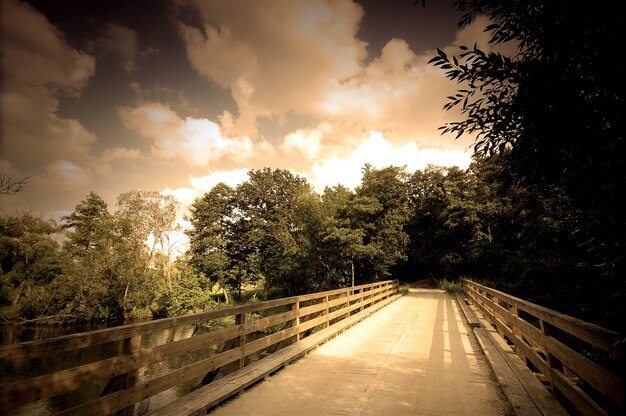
point(449, 286)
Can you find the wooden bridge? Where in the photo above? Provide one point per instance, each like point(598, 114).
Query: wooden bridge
point(356, 351)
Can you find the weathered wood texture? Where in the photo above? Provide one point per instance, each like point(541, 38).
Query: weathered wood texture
point(582, 364)
point(252, 332)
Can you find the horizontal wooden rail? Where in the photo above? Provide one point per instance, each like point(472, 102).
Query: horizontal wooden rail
point(582, 364)
point(248, 333)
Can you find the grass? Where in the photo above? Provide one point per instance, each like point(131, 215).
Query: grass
point(404, 289)
point(449, 286)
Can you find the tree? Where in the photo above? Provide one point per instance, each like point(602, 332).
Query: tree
point(91, 287)
point(211, 217)
point(368, 230)
point(9, 186)
point(553, 112)
point(89, 227)
point(30, 259)
point(148, 215)
point(268, 239)
point(442, 222)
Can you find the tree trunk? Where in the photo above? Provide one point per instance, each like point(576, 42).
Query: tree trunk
point(266, 288)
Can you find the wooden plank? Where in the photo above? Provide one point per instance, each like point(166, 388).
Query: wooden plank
point(335, 302)
point(608, 340)
point(472, 320)
point(262, 343)
point(25, 391)
point(308, 310)
point(121, 399)
point(263, 323)
point(202, 399)
point(607, 383)
point(510, 384)
point(87, 339)
point(532, 387)
point(576, 396)
point(543, 399)
point(313, 323)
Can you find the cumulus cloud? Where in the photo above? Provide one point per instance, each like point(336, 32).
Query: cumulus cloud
point(65, 174)
point(306, 141)
point(196, 141)
point(379, 152)
point(38, 67)
point(162, 93)
point(120, 41)
point(305, 57)
point(120, 153)
point(276, 58)
point(231, 178)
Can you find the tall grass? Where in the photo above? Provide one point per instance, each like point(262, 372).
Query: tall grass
point(449, 286)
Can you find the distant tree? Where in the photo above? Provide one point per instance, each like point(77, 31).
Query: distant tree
point(210, 217)
point(189, 294)
point(442, 223)
point(92, 287)
point(148, 215)
point(369, 230)
point(89, 225)
point(30, 259)
point(268, 235)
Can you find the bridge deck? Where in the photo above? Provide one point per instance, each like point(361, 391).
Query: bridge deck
point(416, 356)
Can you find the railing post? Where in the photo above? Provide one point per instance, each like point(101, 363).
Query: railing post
point(127, 380)
point(362, 298)
point(514, 312)
point(296, 323)
point(327, 311)
point(553, 362)
point(240, 319)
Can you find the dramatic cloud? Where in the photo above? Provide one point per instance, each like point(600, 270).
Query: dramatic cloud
point(119, 41)
point(304, 96)
point(277, 58)
point(306, 141)
point(195, 141)
point(305, 57)
point(64, 174)
point(38, 67)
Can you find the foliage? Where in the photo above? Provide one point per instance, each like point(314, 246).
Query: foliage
point(449, 286)
point(190, 295)
point(30, 258)
point(104, 269)
point(551, 112)
point(262, 231)
point(276, 234)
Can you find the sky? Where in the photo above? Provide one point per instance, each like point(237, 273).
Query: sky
point(176, 96)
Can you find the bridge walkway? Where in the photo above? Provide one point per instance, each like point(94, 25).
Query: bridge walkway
point(416, 356)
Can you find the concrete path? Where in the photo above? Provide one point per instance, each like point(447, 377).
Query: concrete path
point(416, 356)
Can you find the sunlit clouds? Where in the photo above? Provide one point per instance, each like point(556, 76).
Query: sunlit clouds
point(379, 152)
point(300, 66)
point(276, 57)
point(196, 142)
point(38, 68)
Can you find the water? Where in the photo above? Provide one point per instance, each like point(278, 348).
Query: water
point(19, 370)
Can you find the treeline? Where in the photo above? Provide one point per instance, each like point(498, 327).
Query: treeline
point(276, 233)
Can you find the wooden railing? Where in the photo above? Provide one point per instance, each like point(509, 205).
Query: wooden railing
point(246, 334)
point(580, 363)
